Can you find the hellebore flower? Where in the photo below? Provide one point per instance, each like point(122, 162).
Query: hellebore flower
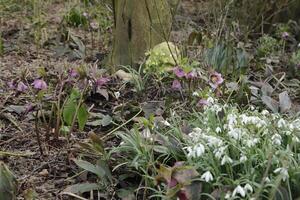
point(176, 85)
point(21, 87)
point(285, 35)
point(216, 80)
point(39, 84)
point(202, 102)
point(73, 73)
point(102, 81)
point(179, 72)
point(191, 75)
point(11, 85)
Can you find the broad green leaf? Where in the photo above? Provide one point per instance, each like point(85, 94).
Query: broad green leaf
point(69, 111)
point(82, 116)
point(81, 188)
point(106, 120)
point(90, 167)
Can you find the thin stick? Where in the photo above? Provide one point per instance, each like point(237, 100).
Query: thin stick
point(37, 131)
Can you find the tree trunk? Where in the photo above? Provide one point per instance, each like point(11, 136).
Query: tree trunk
point(139, 25)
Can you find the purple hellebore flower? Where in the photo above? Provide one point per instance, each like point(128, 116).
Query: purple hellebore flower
point(39, 84)
point(216, 80)
point(11, 85)
point(29, 108)
point(21, 87)
point(202, 102)
point(102, 81)
point(285, 35)
point(73, 73)
point(179, 72)
point(191, 75)
point(176, 85)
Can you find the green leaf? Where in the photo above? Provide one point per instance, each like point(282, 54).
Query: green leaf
point(82, 116)
point(106, 120)
point(69, 111)
point(8, 183)
point(95, 169)
point(81, 188)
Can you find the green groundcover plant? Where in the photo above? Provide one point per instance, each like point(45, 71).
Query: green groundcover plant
point(227, 153)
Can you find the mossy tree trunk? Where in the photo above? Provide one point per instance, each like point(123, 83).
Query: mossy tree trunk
point(139, 25)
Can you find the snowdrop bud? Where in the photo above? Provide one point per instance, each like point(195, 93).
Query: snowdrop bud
point(226, 159)
point(248, 188)
point(218, 130)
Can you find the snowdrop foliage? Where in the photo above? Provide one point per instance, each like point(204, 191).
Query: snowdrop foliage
point(236, 146)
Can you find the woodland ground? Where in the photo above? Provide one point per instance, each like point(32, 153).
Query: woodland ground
point(49, 174)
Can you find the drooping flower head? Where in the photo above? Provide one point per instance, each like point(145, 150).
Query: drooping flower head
point(285, 35)
point(179, 72)
point(176, 85)
point(40, 84)
point(102, 81)
point(73, 73)
point(22, 87)
point(216, 79)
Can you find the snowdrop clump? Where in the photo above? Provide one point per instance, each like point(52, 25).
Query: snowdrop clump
point(232, 147)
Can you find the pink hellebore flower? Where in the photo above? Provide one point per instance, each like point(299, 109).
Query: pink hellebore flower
point(179, 72)
point(21, 87)
point(73, 73)
point(176, 85)
point(102, 81)
point(202, 102)
point(39, 84)
point(11, 85)
point(216, 80)
point(191, 75)
point(285, 35)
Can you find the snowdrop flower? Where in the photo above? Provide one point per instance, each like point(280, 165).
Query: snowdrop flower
point(281, 123)
point(248, 188)
point(267, 180)
point(239, 190)
point(243, 158)
point(196, 94)
point(210, 100)
point(295, 139)
point(252, 142)
point(220, 152)
point(207, 176)
point(264, 112)
point(226, 159)
point(276, 139)
point(236, 133)
point(218, 130)
point(196, 151)
point(283, 171)
point(228, 195)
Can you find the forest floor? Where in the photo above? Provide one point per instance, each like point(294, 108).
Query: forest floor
point(46, 175)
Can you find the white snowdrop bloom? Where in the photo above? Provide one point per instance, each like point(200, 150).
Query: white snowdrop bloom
point(166, 123)
point(219, 152)
point(276, 139)
point(191, 152)
point(236, 133)
point(243, 158)
point(199, 149)
point(239, 190)
point(252, 108)
point(232, 120)
point(291, 127)
point(228, 195)
point(207, 176)
point(252, 142)
point(210, 100)
point(281, 123)
point(283, 171)
point(213, 141)
point(218, 130)
point(196, 94)
point(117, 95)
point(287, 132)
point(264, 112)
point(248, 188)
point(267, 180)
point(226, 159)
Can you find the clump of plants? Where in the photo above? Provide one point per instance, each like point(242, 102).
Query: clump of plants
point(267, 46)
point(225, 153)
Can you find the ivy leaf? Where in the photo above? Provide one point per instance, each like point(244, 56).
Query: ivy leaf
point(82, 116)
